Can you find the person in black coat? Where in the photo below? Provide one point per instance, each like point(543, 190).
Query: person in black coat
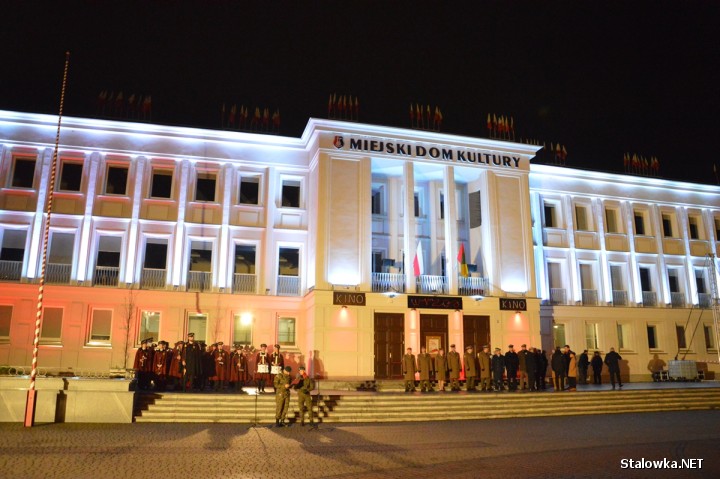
point(191, 362)
point(497, 364)
point(557, 363)
point(542, 365)
point(596, 362)
point(612, 359)
point(512, 363)
point(531, 360)
point(583, 363)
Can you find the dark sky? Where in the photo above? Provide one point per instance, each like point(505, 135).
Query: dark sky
point(601, 77)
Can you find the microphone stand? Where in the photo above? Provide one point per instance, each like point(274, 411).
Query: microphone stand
point(255, 422)
point(316, 424)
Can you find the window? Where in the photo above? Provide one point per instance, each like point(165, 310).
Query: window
point(243, 329)
point(286, 331)
point(550, 218)
point(680, 333)
point(416, 204)
point(591, 336)
point(667, 226)
point(475, 209)
point(61, 248)
point(155, 254)
point(700, 281)
point(13, 245)
point(581, 218)
point(639, 223)
point(70, 176)
point(377, 200)
point(161, 186)
point(645, 282)
point(707, 329)
point(116, 182)
point(674, 280)
point(249, 190)
point(149, 325)
point(205, 187)
point(717, 229)
point(377, 262)
point(100, 326)
point(616, 277)
point(109, 251)
point(201, 256)
point(694, 229)
point(5, 317)
point(288, 262)
point(652, 337)
point(23, 173)
point(442, 206)
point(611, 220)
point(559, 334)
point(244, 259)
point(624, 336)
point(197, 323)
point(51, 325)
point(290, 194)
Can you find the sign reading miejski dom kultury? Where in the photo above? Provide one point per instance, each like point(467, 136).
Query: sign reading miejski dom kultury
point(425, 151)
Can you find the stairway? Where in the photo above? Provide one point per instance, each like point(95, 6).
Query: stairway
point(399, 407)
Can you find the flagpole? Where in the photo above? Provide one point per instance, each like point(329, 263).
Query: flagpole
point(31, 396)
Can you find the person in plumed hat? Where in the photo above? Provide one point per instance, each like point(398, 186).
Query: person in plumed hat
point(281, 383)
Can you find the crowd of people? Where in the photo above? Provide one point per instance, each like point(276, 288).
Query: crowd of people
point(521, 370)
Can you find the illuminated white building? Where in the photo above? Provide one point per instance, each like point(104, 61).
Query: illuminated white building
point(310, 242)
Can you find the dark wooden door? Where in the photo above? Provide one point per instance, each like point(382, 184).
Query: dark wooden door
point(476, 331)
point(389, 342)
point(433, 331)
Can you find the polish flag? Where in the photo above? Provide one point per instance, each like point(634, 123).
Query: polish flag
point(418, 264)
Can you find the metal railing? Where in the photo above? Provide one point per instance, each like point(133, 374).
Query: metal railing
point(106, 276)
point(244, 283)
point(199, 281)
point(677, 300)
point(54, 372)
point(619, 297)
point(704, 300)
point(58, 273)
point(432, 284)
point(10, 270)
point(649, 299)
point(388, 282)
point(288, 285)
point(469, 286)
point(589, 297)
point(558, 296)
point(153, 278)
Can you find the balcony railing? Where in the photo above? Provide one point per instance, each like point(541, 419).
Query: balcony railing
point(431, 284)
point(58, 273)
point(558, 296)
point(704, 300)
point(589, 297)
point(288, 285)
point(10, 270)
point(388, 282)
point(473, 286)
point(199, 281)
point(106, 275)
point(649, 299)
point(677, 300)
point(619, 297)
point(153, 278)
point(244, 283)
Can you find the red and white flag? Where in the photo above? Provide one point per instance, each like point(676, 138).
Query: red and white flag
point(418, 263)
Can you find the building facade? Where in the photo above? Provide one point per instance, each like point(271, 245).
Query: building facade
point(345, 246)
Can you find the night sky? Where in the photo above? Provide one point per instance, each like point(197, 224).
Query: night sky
point(601, 77)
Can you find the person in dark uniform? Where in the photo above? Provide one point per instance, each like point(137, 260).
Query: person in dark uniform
point(612, 359)
point(191, 362)
point(582, 365)
point(498, 369)
point(596, 362)
point(557, 364)
point(305, 386)
point(531, 360)
point(441, 369)
point(208, 370)
point(143, 364)
point(425, 367)
point(277, 362)
point(485, 369)
point(281, 383)
point(454, 368)
point(522, 369)
point(512, 363)
point(542, 365)
point(409, 367)
point(471, 369)
point(161, 365)
point(262, 368)
point(238, 367)
point(221, 359)
point(176, 369)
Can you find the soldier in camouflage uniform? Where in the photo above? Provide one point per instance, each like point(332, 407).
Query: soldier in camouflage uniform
point(305, 386)
point(282, 396)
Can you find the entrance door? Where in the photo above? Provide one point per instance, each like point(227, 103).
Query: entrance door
point(433, 332)
point(476, 331)
point(389, 342)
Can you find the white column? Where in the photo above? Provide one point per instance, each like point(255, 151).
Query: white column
point(575, 286)
point(268, 273)
point(36, 234)
point(536, 204)
point(606, 286)
point(133, 237)
point(87, 226)
point(664, 290)
point(225, 256)
point(183, 171)
point(409, 244)
point(365, 225)
point(451, 230)
point(634, 287)
point(393, 215)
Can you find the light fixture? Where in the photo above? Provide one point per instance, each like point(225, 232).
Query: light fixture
point(478, 297)
point(344, 306)
point(390, 294)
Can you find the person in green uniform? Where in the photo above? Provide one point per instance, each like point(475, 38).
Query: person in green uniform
point(409, 367)
point(454, 367)
point(282, 396)
point(441, 369)
point(470, 369)
point(425, 366)
point(305, 386)
point(485, 369)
